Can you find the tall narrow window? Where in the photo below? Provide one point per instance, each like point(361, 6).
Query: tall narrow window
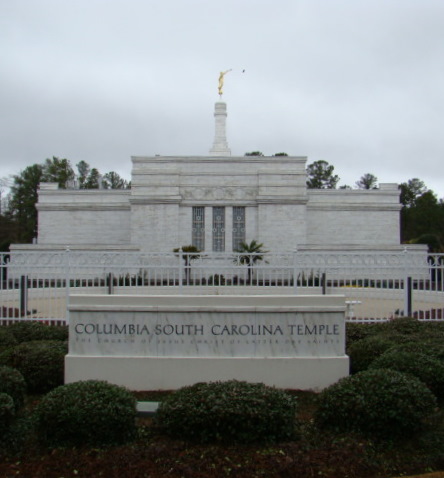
point(198, 234)
point(218, 229)
point(238, 227)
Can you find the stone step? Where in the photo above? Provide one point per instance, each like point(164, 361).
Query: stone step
point(147, 408)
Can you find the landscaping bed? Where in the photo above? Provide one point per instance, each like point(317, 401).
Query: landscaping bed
point(320, 447)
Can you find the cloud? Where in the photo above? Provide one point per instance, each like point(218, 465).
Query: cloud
point(358, 84)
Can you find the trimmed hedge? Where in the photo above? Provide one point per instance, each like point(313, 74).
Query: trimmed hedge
point(363, 352)
point(431, 347)
point(404, 326)
point(358, 331)
point(7, 412)
point(229, 411)
point(90, 412)
point(403, 329)
point(13, 383)
point(428, 369)
point(7, 339)
point(27, 331)
point(41, 362)
point(380, 403)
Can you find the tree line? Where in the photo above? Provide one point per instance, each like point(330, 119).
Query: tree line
point(18, 220)
point(422, 214)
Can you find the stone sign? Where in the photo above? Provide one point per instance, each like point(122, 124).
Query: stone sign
point(167, 338)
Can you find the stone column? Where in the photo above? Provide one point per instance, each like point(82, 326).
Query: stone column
point(220, 145)
point(208, 229)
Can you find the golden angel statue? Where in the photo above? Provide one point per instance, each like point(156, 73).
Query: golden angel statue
point(221, 81)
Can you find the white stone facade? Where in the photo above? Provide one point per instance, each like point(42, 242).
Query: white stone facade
point(156, 215)
point(215, 202)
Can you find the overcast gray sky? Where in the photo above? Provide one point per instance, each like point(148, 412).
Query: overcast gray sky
point(358, 83)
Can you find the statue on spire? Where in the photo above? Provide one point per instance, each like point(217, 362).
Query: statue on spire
point(221, 81)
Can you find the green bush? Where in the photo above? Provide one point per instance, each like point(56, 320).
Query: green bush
point(428, 369)
point(229, 411)
point(13, 383)
point(380, 403)
point(403, 325)
point(86, 413)
point(403, 329)
point(41, 362)
point(7, 339)
point(7, 412)
point(357, 331)
point(363, 352)
point(18, 436)
point(431, 347)
point(217, 279)
point(27, 331)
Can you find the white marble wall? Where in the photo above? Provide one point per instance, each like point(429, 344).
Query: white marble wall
point(68, 217)
point(155, 227)
point(156, 214)
point(364, 217)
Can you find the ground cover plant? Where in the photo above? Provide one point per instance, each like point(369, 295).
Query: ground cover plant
point(315, 450)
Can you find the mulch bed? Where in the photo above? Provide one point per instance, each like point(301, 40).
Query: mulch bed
point(154, 455)
point(161, 458)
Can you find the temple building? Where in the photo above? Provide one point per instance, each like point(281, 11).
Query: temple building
point(215, 202)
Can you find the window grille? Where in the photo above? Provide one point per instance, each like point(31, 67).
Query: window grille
point(218, 229)
point(198, 234)
point(238, 227)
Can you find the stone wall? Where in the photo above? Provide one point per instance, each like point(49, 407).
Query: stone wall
point(83, 217)
point(364, 217)
point(156, 214)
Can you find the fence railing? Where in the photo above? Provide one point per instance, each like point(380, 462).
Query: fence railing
point(37, 285)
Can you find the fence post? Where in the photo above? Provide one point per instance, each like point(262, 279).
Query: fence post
point(407, 287)
point(409, 297)
point(324, 283)
point(295, 272)
point(3, 270)
point(23, 296)
point(67, 281)
point(180, 270)
point(110, 283)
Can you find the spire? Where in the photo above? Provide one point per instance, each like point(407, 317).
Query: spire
point(220, 145)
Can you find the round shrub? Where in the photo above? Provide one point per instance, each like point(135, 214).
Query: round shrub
point(13, 383)
point(41, 362)
point(381, 403)
point(90, 412)
point(358, 331)
point(27, 331)
point(403, 325)
point(428, 369)
point(7, 412)
point(7, 339)
point(229, 411)
point(427, 346)
point(363, 352)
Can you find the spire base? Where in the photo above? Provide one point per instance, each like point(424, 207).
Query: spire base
point(220, 144)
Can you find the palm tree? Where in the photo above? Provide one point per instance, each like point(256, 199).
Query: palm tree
point(190, 253)
point(250, 254)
